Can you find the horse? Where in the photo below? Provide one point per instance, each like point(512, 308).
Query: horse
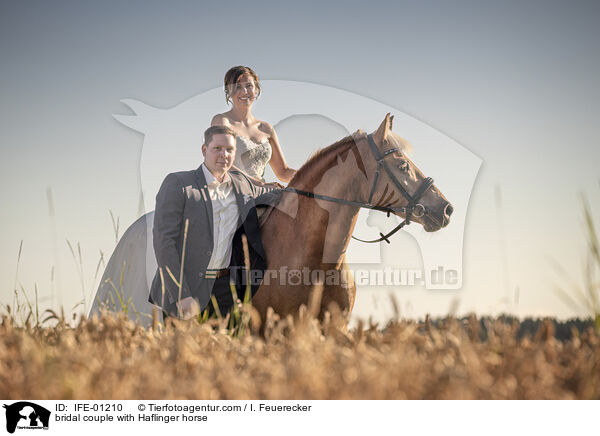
point(307, 232)
point(326, 194)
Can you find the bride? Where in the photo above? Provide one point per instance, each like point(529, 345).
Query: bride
point(125, 284)
point(257, 142)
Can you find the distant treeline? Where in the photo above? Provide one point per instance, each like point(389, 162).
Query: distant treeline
point(528, 327)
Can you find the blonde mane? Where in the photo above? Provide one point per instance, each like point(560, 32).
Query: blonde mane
point(326, 158)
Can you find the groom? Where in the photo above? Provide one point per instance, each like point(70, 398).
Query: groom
point(198, 225)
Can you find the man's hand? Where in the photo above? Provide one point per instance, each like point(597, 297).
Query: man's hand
point(188, 308)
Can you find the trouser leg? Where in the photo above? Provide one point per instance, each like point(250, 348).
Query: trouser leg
point(222, 293)
point(221, 290)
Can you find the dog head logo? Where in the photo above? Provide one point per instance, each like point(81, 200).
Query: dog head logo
point(172, 140)
point(26, 415)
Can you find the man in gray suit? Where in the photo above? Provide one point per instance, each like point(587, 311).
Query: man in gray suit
point(199, 219)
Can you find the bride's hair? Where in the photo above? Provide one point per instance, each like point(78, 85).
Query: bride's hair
point(232, 76)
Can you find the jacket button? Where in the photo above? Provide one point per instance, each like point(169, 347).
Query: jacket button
point(200, 275)
point(209, 253)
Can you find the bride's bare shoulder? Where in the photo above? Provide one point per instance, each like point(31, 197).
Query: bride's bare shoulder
point(220, 120)
point(265, 127)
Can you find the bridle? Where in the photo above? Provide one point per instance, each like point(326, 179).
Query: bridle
point(409, 210)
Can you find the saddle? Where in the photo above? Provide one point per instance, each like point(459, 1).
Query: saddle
point(265, 204)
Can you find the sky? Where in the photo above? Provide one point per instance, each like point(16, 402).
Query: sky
point(515, 83)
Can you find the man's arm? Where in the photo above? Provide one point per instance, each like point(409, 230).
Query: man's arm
point(258, 183)
point(168, 226)
point(258, 187)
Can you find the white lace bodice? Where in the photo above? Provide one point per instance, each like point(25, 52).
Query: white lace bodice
point(252, 157)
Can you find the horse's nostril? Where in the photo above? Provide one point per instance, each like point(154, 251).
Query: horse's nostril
point(448, 210)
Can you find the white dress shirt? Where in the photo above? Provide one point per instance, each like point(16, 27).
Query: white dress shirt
point(225, 218)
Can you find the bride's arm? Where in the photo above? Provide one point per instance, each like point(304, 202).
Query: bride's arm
point(278, 163)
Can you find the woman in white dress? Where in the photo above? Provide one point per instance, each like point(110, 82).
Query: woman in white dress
point(125, 283)
point(257, 142)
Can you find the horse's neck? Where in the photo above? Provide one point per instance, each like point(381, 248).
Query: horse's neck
point(340, 180)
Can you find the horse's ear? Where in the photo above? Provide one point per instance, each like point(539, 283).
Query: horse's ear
point(391, 122)
point(381, 133)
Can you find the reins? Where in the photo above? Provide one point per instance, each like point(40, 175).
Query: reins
point(408, 210)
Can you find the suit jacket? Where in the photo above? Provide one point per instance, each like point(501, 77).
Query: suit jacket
point(184, 196)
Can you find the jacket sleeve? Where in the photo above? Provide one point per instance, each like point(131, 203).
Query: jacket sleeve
point(265, 194)
point(260, 188)
point(168, 230)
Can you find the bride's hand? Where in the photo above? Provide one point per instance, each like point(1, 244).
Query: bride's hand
point(274, 185)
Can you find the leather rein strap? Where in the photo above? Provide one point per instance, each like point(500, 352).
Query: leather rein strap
point(408, 210)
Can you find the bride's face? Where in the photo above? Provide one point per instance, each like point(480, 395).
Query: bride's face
point(244, 91)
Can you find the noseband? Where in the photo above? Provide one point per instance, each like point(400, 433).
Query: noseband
point(409, 210)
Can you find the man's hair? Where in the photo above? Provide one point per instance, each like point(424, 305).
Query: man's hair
point(216, 130)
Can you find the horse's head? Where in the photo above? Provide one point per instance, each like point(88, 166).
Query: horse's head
point(401, 184)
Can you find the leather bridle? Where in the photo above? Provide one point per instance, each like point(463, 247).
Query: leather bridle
point(409, 210)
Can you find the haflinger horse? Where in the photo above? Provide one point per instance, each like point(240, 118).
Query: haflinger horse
point(307, 248)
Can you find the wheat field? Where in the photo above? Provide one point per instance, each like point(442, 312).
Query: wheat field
point(469, 358)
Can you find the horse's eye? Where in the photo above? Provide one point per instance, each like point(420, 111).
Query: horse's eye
point(403, 166)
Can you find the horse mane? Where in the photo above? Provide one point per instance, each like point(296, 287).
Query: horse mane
point(328, 153)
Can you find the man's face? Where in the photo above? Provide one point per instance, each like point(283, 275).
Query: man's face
point(219, 153)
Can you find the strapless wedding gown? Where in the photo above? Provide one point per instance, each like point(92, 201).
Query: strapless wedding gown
point(126, 281)
point(252, 157)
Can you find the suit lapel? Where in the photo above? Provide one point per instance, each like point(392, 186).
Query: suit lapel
point(239, 198)
point(245, 206)
point(203, 187)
